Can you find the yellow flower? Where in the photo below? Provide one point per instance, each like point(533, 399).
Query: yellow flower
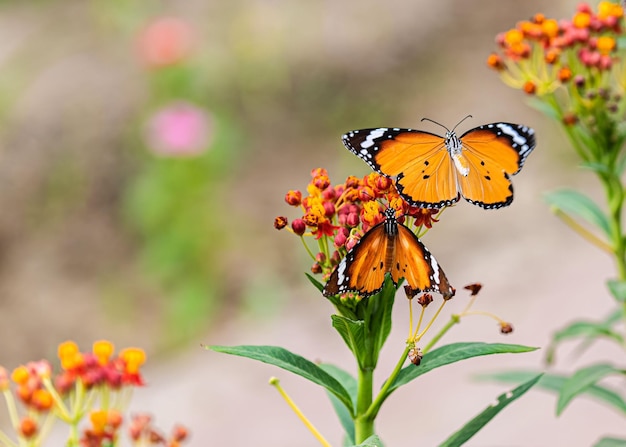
point(103, 349)
point(134, 358)
point(20, 375)
point(513, 37)
point(581, 20)
point(605, 44)
point(550, 28)
point(609, 9)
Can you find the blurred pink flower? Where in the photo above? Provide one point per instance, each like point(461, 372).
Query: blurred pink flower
point(178, 130)
point(165, 41)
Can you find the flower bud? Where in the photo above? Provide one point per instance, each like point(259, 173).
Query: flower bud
point(415, 356)
point(298, 226)
point(506, 328)
point(280, 222)
point(293, 198)
point(425, 300)
point(410, 292)
point(474, 288)
point(28, 427)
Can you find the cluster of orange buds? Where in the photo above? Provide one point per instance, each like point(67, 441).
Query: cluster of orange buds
point(540, 55)
point(104, 428)
point(86, 379)
point(99, 367)
point(142, 432)
point(340, 214)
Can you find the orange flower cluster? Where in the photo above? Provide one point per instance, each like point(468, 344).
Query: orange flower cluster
point(99, 367)
point(540, 55)
point(86, 379)
point(342, 213)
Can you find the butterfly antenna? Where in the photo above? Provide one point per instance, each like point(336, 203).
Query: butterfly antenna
point(457, 124)
point(439, 124)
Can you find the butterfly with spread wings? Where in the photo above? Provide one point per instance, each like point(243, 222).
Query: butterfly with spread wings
point(389, 247)
point(433, 171)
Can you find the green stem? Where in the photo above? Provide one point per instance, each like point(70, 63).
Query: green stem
point(372, 411)
point(364, 422)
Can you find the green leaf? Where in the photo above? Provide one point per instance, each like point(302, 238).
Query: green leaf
point(596, 167)
point(277, 356)
point(572, 202)
point(621, 166)
point(581, 381)
point(617, 289)
point(544, 107)
point(473, 426)
point(379, 317)
point(372, 441)
point(588, 329)
point(350, 384)
point(453, 353)
point(353, 333)
point(554, 383)
point(315, 282)
point(614, 317)
point(610, 442)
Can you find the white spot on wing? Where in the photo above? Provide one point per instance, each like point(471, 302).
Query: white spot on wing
point(374, 134)
point(514, 134)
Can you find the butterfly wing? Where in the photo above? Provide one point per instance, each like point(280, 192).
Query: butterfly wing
point(494, 152)
point(362, 270)
point(417, 266)
point(419, 160)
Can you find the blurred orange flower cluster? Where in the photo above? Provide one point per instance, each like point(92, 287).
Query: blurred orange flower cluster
point(96, 384)
point(543, 54)
point(340, 214)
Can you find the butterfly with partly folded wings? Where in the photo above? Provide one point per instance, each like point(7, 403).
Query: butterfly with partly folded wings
point(389, 247)
point(433, 171)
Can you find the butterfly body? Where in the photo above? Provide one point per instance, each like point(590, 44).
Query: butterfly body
point(389, 247)
point(433, 171)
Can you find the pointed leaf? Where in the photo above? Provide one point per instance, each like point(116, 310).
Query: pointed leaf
point(581, 381)
point(277, 356)
point(572, 202)
point(554, 383)
point(372, 441)
point(595, 166)
point(617, 289)
point(614, 317)
point(610, 442)
point(473, 426)
point(350, 384)
point(380, 307)
point(453, 353)
point(315, 282)
point(353, 333)
point(544, 107)
point(588, 329)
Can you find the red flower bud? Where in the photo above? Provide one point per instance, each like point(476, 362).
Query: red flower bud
point(293, 198)
point(298, 226)
point(280, 222)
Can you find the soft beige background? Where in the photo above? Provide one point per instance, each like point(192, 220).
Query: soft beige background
point(536, 273)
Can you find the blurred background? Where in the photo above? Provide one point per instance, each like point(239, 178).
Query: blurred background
point(147, 146)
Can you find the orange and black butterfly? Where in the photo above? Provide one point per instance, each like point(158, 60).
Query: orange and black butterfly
point(433, 171)
point(389, 247)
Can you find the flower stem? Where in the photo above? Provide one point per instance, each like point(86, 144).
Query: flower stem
point(372, 411)
point(454, 319)
point(582, 231)
point(276, 384)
